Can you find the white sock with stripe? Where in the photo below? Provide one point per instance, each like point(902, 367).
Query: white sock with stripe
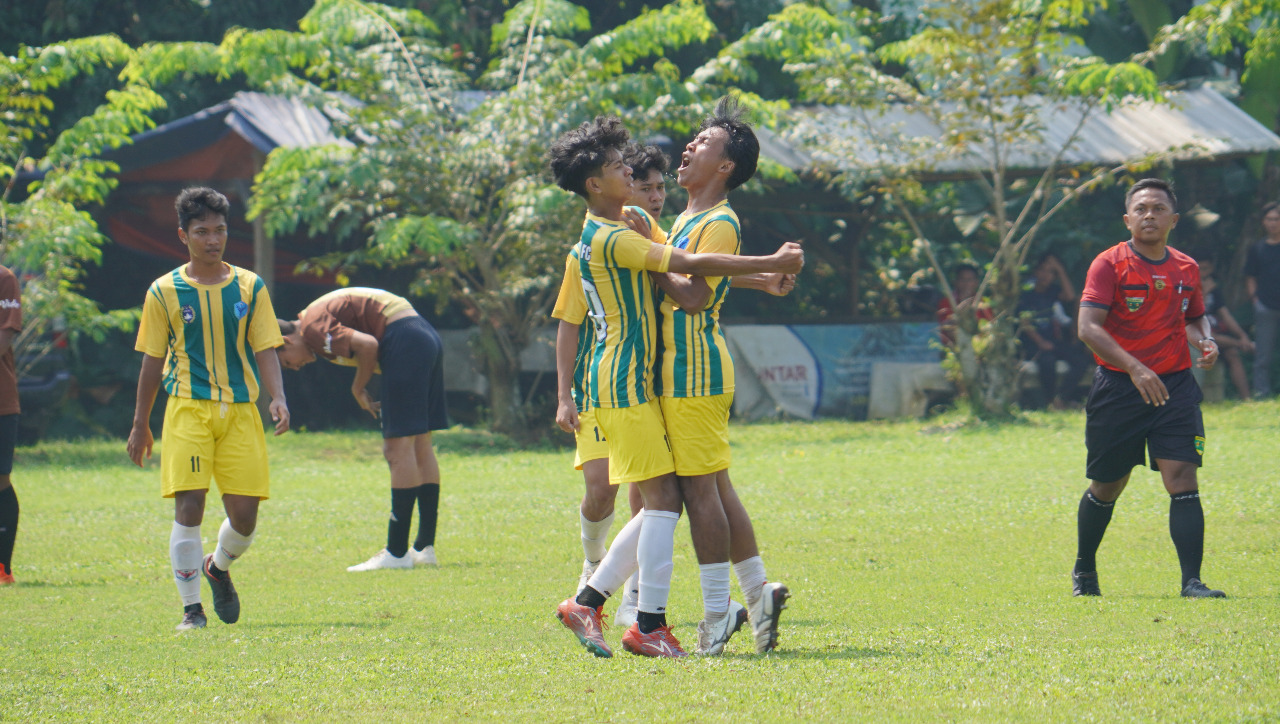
point(231, 545)
point(185, 555)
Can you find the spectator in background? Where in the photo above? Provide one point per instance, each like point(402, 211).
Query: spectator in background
point(1262, 280)
point(1230, 335)
point(1046, 335)
point(965, 279)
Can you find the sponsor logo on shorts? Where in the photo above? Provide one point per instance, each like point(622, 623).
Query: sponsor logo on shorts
point(1199, 446)
point(241, 309)
point(185, 574)
point(1134, 303)
point(188, 314)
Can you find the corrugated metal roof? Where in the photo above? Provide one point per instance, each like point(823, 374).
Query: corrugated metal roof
point(1198, 123)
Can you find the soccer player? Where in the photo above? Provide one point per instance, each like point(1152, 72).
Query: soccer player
point(209, 330)
point(372, 329)
point(1141, 305)
point(697, 381)
point(10, 326)
point(613, 261)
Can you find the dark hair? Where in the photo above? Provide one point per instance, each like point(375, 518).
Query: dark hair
point(742, 147)
point(197, 202)
point(1151, 183)
point(643, 159)
point(966, 266)
point(1272, 206)
point(287, 327)
point(578, 154)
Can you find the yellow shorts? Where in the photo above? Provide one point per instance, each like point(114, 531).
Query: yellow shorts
point(203, 439)
point(699, 432)
point(591, 442)
point(638, 446)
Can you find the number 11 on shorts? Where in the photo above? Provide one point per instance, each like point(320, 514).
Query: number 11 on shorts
point(195, 463)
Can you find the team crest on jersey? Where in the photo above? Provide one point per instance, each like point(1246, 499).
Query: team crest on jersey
point(1199, 446)
point(1134, 303)
point(1159, 283)
point(682, 242)
point(241, 309)
point(188, 313)
point(185, 574)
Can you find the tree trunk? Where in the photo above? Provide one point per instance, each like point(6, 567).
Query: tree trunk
point(502, 370)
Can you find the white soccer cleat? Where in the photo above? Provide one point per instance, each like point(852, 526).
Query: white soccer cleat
point(382, 559)
point(588, 568)
point(713, 636)
point(626, 613)
point(764, 616)
point(424, 557)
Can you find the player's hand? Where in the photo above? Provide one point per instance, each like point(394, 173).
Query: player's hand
point(779, 285)
point(368, 404)
point(638, 222)
point(789, 258)
point(1208, 353)
point(140, 442)
point(567, 416)
point(280, 415)
point(1247, 344)
point(1149, 385)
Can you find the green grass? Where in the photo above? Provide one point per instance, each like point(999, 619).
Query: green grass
point(929, 570)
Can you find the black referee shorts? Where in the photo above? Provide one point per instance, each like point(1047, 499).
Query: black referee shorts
point(411, 357)
point(8, 439)
point(1120, 427)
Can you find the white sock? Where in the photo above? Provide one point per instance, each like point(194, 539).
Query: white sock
point(231, 545)
point(632, 595)
point(715, 590)
point(620, 561)
point(186, 555)
point(750, 579)
point(593, 536)
point(653, 552)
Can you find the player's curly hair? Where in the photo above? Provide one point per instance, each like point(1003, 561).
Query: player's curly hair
point(578, 154)
point(742, 147)
point(643, 159)
point(198, 201)
point(1151, 183)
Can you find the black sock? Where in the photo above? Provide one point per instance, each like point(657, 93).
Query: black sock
point(428, 511)
point(1091, 523)
point(193, 608)
point(402, 500)
point(648, 622)
point(8, 527)
point(590, 597)
point(1186, 528)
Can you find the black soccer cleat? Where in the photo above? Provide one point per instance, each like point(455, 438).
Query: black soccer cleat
point(1196, 589)
point(1085, 584)
point(226, 603)
point(192, 617)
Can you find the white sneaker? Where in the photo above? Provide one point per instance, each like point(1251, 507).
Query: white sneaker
point(424, 557)
point(382, 559)
point(626, 613)
point(764, 615)
point(713, 636)
point(588, 568)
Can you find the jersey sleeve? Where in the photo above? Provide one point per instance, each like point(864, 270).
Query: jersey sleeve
point(719, 236)
point(264, 331)
point(656, 234)
point(571, 303)
point(10, 301)
point(1099, 284)
point(153, 328)
point(1195, 307)
point(633, 251)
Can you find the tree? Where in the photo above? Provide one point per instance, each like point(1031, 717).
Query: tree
point(46, 232)
point(978, 74)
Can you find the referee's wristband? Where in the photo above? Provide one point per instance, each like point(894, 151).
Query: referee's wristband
point(1208, 339)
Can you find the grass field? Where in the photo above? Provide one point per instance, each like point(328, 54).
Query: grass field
point(930, 573)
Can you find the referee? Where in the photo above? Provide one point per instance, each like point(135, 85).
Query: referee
point(1141, 306)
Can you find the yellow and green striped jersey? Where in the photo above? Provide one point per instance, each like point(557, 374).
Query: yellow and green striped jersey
point(208, 334)
point(571, 307)
point(695, 356)
point(613, 261)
